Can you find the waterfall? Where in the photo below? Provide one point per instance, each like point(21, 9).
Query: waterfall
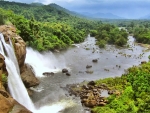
point(15, 84)
point(45, 62)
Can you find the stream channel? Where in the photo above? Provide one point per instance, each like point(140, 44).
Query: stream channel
point(112, 62)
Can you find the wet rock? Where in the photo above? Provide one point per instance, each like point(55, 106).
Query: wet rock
point(143, 62)
point(88, 66)
point(94, 60)
point(68, 74)
point(3, 70)
point(89, 71)
point(17, 108)
point(91, 83)
point(57, 51)
point(28, 77)
point(64, 70)
point(30, 92)
point(4, 93)
point(110, 92)
point(117, 93)
point(48, 73)
point(85, 87)
point(90, 94)
point(90, 103)
point(8, 104)
point(101, 104)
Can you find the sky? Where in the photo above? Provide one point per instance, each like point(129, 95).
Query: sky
point(130, 9)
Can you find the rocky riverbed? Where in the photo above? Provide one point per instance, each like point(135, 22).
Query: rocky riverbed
point(91, 94)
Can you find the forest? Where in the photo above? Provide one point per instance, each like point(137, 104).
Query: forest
point(48, 27)
point(134, 88)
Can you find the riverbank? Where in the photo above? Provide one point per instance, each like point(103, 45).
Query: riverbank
point(111, 62)
point(128, 93)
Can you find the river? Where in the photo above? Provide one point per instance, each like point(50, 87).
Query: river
point(112, 62)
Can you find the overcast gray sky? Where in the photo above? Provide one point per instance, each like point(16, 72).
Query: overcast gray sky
point(123, 8)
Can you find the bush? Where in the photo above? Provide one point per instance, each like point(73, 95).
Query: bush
point(4, 79)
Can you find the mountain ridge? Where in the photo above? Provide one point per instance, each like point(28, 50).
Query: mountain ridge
point(102, 15)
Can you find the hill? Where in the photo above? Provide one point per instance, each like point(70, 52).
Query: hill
point(146, 17)
point(45, 27)
point(66, 10)
point(40, 12)
point(101, 15)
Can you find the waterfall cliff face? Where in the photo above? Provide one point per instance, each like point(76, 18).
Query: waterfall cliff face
point(16, 86)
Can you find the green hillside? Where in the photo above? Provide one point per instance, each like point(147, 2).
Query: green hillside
point(44, 27)
point(49, 27)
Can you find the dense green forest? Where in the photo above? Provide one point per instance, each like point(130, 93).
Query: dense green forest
point(140, 29)
point(134, 92)
point(110, 34)
point(44, 27)
point(49, 27)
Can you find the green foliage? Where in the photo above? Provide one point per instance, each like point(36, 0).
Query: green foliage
point(93, 32)
point(148, 56)
point(101, 43)
point(110, 34)
point(4, 15)
point(4, 79)
point(135, 96)
point(45, 27)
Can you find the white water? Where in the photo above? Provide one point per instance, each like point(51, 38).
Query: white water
point(16, 86)
point(45, 62)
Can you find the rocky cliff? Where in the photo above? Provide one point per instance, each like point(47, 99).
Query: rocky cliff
point(7, 103)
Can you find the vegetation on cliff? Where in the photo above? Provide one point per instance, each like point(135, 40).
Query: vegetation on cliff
point(134, 91)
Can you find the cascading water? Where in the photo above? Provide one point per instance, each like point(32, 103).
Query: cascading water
point(15, 84)
point(45, 62)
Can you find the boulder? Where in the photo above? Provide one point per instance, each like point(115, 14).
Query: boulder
point(110, 92)
point(8, 104)
point(68, 74)
point(90, 103)
point(94, 60)
point(28, 77)
point(2, 66)
point(2, 62)
point(143, 62)
point(88, 66)
point(101, 104)
point(64, 70)
point(92, 83)
point(89, 71)
point(48, 73)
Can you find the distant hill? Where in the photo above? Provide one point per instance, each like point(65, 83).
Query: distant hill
point(40, 12)
point(37, 4)
point(37, 10)
point(101, 15)
point(146, 17)
point(66, 10)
